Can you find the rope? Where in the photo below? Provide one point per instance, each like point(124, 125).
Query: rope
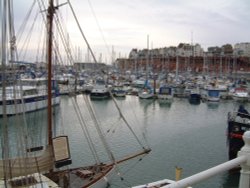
point(41, 6)
point(98, 128)
point(39, 43)
point(113, 126)
point(124, 180)
point(100, 132)
point(28, 38)
point(8, 7)
point(85, 131)
point(99, 27)
point(26, 18)
point(125, 121)
point(63, 38)
point(81, 31)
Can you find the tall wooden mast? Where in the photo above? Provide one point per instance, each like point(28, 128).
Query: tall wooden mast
point(50, 15)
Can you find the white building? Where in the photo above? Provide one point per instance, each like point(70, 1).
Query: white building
point(242, 49)
point(188, 50)
point(198, 50)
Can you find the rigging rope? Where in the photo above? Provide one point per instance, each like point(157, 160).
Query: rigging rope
point(39, 43)
point(85, 131)
point(130, 128)
point(98, 128)
point(28, 38)
point(22, 27)
point(99, 27)
point(81, 31)
point(64, 40)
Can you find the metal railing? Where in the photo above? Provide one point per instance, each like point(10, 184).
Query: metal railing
point(243, 160)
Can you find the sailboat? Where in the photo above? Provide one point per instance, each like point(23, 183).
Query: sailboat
point(147, 91)
point(48, 165)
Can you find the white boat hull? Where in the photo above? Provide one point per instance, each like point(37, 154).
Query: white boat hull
point(237, 98)
point(30, 104)
point(243, 96)
point(213, 99)
point(155, 184)
point(100, 92)
point(145, 95)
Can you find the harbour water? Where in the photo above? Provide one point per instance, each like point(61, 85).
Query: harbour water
point(192, 137)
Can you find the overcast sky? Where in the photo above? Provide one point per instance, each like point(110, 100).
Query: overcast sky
point(125, 24)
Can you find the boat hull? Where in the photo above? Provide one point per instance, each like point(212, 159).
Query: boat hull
point(28, 104)
point(84, 177)
point(236, 127)
point(194, 98)
point(99, 95)
point(146, 95)
point(159, 183)
point(240, 98)
point(240, 94)
point(100, 92)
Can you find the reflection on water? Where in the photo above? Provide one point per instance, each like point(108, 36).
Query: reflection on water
point(166, 104)
point(212, 105)
point(28, 131)
point(194, 101)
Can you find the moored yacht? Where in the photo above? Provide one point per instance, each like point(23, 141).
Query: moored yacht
point(119, 91)
point(194, 96)
point(240, 94)
point(146, 92)
point(165, 94)
point(211, 93)
point(30, 95)
point(100, 90)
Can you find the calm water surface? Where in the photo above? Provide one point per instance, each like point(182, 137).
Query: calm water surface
point(192, 137)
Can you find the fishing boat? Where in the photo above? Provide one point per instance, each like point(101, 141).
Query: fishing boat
point(28, 96)
point(26, 164)
point(238, 123)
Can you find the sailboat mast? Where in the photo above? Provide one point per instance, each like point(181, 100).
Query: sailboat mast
point(50, 14)
point(3, 54)
point(147, 63)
